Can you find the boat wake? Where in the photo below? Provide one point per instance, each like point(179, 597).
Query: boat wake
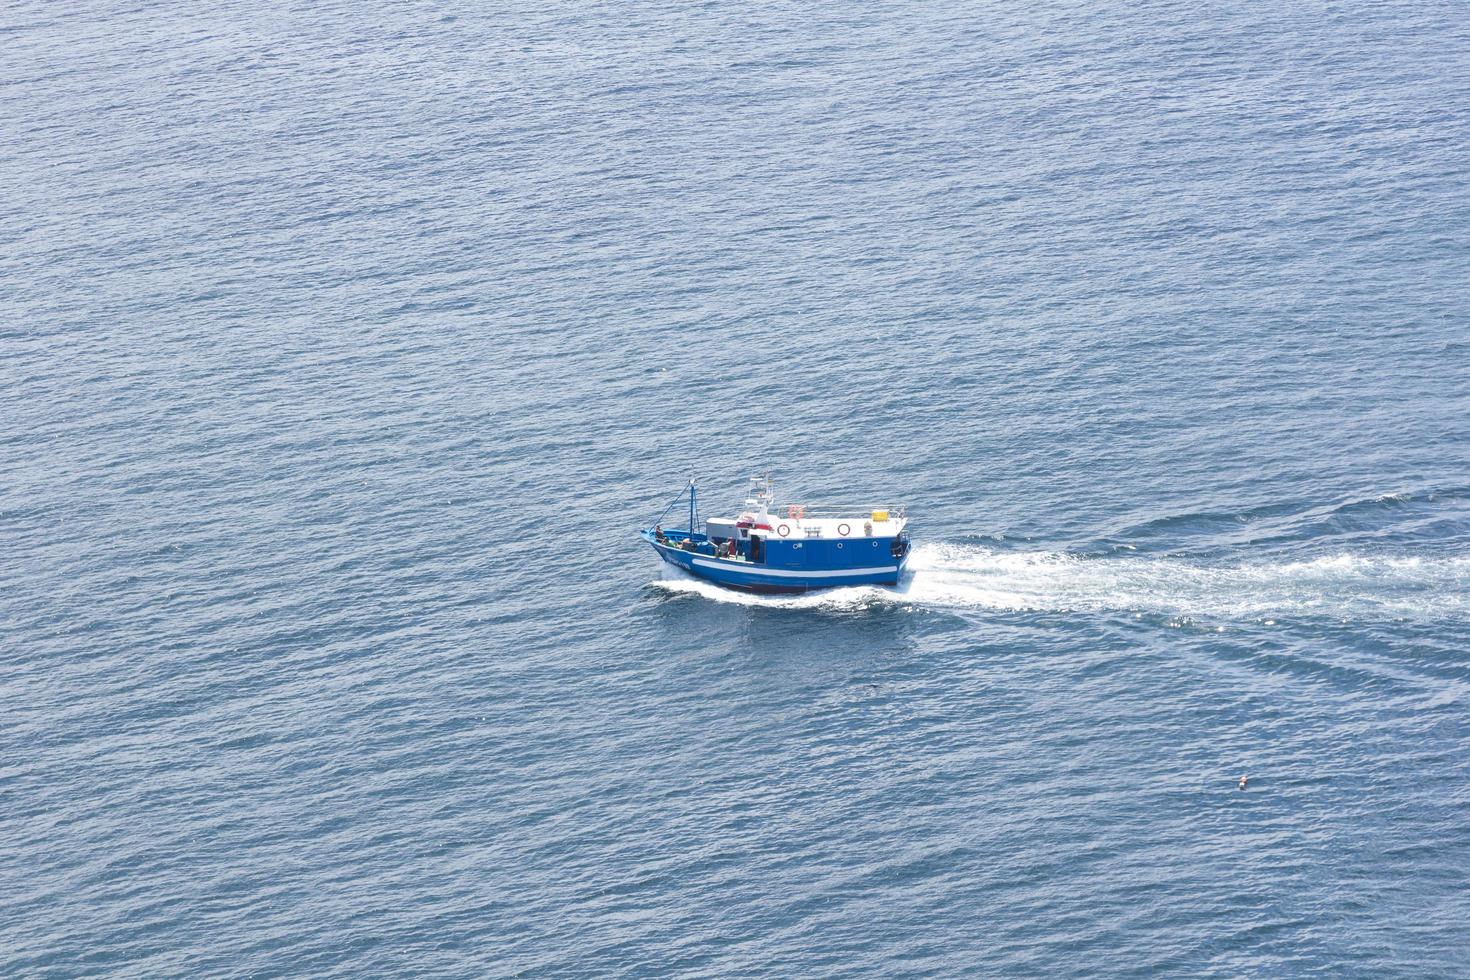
point(971, 577)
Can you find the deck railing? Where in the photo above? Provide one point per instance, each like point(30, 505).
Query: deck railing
point(839, 510)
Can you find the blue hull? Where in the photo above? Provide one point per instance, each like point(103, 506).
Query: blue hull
point(748, 577)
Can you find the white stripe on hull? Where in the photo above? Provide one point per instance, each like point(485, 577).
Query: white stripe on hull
point(790, 573)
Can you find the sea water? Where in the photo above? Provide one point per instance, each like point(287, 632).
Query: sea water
point(345, 347)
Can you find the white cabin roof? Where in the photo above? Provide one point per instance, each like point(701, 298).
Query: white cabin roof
point(856, 526)
point(798, 521)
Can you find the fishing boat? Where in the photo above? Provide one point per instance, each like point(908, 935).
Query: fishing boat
point(795, 548)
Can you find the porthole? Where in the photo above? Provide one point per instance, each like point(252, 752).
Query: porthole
point(839, 546)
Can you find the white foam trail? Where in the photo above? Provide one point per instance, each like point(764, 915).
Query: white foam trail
point(855, 597)
point(962, 576)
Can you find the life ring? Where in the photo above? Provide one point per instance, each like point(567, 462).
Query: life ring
point(796, 512)
point(782, 530)
point(844, 530)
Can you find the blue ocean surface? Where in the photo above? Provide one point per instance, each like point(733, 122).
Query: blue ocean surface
point(345, 347)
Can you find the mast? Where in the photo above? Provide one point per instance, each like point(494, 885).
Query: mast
point(691, 510)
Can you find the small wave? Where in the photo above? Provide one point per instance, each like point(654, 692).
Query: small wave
point(967, 576)
point(1303, 520)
